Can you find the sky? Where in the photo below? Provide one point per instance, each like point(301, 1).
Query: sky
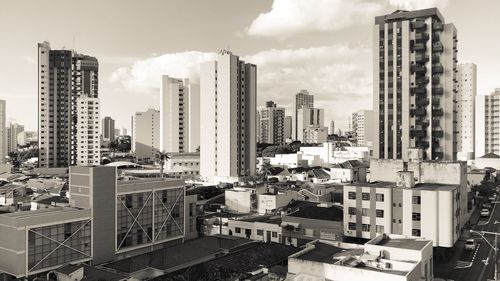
point(323, 46)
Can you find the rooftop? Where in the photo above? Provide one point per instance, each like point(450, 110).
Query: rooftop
point(419, 186)
point(490, 155)
point(403, 243)
point(264, 219)
point(334, 213)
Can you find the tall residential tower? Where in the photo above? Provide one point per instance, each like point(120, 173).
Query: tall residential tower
point(466, 87)
point(272, 124)
point(414, 74)
point(302, 100)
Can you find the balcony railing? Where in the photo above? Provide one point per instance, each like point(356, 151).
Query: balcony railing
point(437, 26)
point(437, 68)
point(418, 24)
point(421, 58)
point(435, 101)
point(438, 90)
point(438, 133)
point(422, 80)
point(422, 144)
point(415, 68)
point(437, 47)
point(418, 133)
point(418, 112)
point(419, 47)
point(436, 122)
point(437, 112)
point(422, 102)
point(435, 79)
point(435, 37)
point(435, 143)
point(421, 37)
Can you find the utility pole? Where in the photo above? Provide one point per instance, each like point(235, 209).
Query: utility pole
point(495, 248)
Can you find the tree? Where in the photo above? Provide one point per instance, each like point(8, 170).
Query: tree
point(162, 157)
point(272, 150)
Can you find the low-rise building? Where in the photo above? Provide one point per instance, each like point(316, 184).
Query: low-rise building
point(259, 228)
point(348, 171)
point(315, 134)
point(490, 160)
point(386, 257)
point(183, 165)
point(295, 160)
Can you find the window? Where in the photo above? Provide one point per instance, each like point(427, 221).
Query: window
point(380, 197)
point(365, 212)
point(365, 227)
point(379, 213)
point(415, 216)
point(260, 232)
point(351, 195)
point(352, 211)
point(351, 226)
point(415, 232)
point(416, 200)
point(365, 196)
point(275, 234)
point(379, 228)
point(237, 230)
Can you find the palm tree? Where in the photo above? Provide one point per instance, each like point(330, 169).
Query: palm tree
point(162, 157)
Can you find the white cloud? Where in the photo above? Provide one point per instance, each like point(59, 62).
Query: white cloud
point(292, 17)
point(337, 75)
point(418, 4)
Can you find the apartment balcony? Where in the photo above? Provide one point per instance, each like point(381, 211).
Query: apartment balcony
point(437, 68)
point(438, 91)
point(437, 155)
point(422, 102)
point(418, 112)
point(437, 26)
point(436, 57)
point(418, 24)
point(421, 58)
point(416, 68)
point(435, 37)
point(435, 101)
point(435, 79)
point(419, 47)
point(422, 80)
point(421, 37)
point(435, 143)
point(438, 133)
point(437, 47)
point(418, 90)
point(423, 123)
point(422, 144)
point(437, 112)
point(418, 133)
point(436, 122)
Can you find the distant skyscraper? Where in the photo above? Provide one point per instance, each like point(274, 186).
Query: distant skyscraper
point(288, 127)
point(179, 115)
point(306, 117)
point(229, 111)
point(353, 124)
point(87, 136)
point(302, 99)
point(63, 77)
point(108, 129)
point(331, 129)
point(3, 133)
point(124, 132)
point(12, 132)
point(315, 134)
point(415, 55)
point(272, 124)
point(146, 135)
point(364, 129)
point(466, 108)
point(491, 124)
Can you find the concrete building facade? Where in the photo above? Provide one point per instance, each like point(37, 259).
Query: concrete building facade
point(108, 129)
point(491, 123)
point(63, 77)
point(315, 134)
point(88, 135)
point(414, 74)
point(306, 117)
point(179, 115)
point(364, 128)
point(228, 95)
point(13, 130)
point(302, 100)
point(3, 133)
point(466, 107)
point(287, 131)
point(272, 124)
point(146, 135)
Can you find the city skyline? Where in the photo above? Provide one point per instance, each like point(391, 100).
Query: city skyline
point(337, 51)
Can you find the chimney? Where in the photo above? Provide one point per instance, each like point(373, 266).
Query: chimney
point(405, 179)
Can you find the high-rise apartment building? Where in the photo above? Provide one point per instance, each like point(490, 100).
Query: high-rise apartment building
point(364, 128)
point(302, 99)
point(108, 129)
point(13, 130)
point(331, 129)
point(491, 122)
point(89, 143)
point(3, 133)
point(414, 101)
point(466, 108)
point(63, 77)
point(272, 124)
point(228, 95)
point(307, 117)
point(288, 127)
point(146, 135)
point(179, 115)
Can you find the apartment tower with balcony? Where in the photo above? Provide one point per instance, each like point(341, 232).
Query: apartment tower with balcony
point(414, 100)
point(272, 124)
point(302, 100)
point(466, 110)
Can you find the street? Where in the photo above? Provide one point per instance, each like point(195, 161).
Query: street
point(478, 264)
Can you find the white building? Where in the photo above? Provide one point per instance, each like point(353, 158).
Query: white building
point(228, 95)
point(179, 115)
point(13, 131)
point(466, 107)
point(3, 133)
point(146, 135)
point(183, 165)
point(491, 137)
point(423, 199)
point(88, 133)
point(364, 127)
point(307, 117)
point(295, 160)
point(332, 154)
point(385, 257)
point(302, 100)
point(315, 134)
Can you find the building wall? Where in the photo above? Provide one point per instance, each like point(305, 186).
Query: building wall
point(108, 129)
point(3, 133)
point(287, 132)
point(258, 231)
point(302, 100)
point(308, 116)
point(272, 125)
point(13, 130)
point(238, 200)
point(88, 133)
point(146, 138)
point(491, 126)
point(466, 96)
point(310, 229)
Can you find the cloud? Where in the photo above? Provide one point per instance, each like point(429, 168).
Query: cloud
point(418, 4)
point(338, 75)
point(292, 17)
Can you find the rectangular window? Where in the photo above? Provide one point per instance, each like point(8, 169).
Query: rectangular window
point(365, 196)
point(415, 232)
point(415, 216)
point(365, 211)
point(237, 230)
point(416, 200)
point(351, 226)
point(351, 195)
point(380, 197)
point(365, 227)
point(379, 228)
point(275, 234)
point(379, 213)
point(260, 232)
point(352, 211)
